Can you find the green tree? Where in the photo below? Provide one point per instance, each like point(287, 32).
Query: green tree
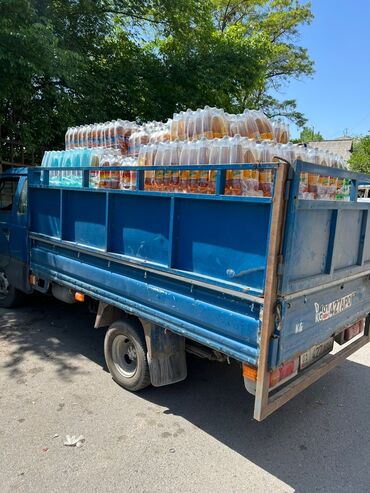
point(69, 62)
point(308, 134)
point(360, 159)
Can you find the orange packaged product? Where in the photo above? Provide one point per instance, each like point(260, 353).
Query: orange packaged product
point(184, 174)
point(218, 123)
point(159, 161)
point(104, 176)
point(303, 185)
point(174, 127)
point(115, 175)
point(263, 124)
point(203, 158)
point(214, 156)
point(323, 187)
point(266, 155)
point(181, 126)
point(313, 184)
point(194, 174)
point(167, 162)
point(219, 154)
point(190, 131)
point(146, 158)
point(250, 177)
point(252, 130)
point(176, 147)
point(234, 177)
point(332, 187)
point(206, 124)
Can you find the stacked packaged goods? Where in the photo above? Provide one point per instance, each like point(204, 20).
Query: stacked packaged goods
point(205, 136)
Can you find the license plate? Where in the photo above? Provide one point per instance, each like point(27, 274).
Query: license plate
point(315, 353)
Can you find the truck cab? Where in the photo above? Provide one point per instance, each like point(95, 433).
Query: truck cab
point(13, 236)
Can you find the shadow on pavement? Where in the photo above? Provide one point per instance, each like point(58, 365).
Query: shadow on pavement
point(53, 331)
point(320, 441)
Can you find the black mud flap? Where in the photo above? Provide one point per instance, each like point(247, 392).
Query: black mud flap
point(166, 355)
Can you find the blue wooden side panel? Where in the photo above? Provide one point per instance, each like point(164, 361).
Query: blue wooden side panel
point(223, 322)
point(222, 241)
point(325, 241)
point(306, 320)
point(84, 221)
point(139, 227)
point(45, 211)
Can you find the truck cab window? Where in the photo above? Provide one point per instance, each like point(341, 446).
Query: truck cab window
point(8, 188)
point(22, 205)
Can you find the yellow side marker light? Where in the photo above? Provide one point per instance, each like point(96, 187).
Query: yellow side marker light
point(79, 297)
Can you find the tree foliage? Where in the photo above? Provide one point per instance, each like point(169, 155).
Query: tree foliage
point(308, 134)
point(69, 62)
point(360, 159)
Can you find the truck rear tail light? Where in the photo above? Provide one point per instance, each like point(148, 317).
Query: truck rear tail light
point(32, 280)
point(286, 371)
point(249, 372)
point(354, 330)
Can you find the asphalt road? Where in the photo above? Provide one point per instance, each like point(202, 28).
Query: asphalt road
point(197, 435)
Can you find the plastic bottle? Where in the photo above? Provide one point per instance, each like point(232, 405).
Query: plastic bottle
point(67, 139)
point(174, 127)
point(190, 125)
point(263, 124)
point(117, 137)
point(218, 123)
point(146, 158)
point(250, 177)
point(159, 161)
point(175, 161)
point(94, 135)
point(266, 156)
point(184, 160)
point(251, 126)
point(234, 177)
point(203, 150)
point(137, 138)
point(313, 156)
point(214, 157)
point(194, 174)
point(167, 162)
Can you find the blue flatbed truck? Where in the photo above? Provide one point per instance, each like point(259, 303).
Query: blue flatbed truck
point(271, 282)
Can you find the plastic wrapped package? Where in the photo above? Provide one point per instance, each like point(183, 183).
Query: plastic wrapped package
point(184, 175)
point(203, 150)
point(219, 154)
point(146, 158)
point(280, 132)
point(158, 184)
point(137, 138)
point(194, 174)
point(250, 180)
point(233, 184)
point(176, 148)
point(252, 129)
point(266, 153)
point(120, 135)
point(263, 124)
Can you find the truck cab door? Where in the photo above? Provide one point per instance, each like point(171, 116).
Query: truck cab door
point(13, 230)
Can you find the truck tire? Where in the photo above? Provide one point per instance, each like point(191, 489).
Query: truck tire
point(125, 354)
point(9, 295)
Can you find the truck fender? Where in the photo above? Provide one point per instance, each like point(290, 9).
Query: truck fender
point(107, 314)
point(166, 355)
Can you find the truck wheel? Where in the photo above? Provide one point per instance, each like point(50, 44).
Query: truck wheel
point(9, 295)
point(125, 354)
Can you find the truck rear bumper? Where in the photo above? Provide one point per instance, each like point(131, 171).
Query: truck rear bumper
point(309, 376)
